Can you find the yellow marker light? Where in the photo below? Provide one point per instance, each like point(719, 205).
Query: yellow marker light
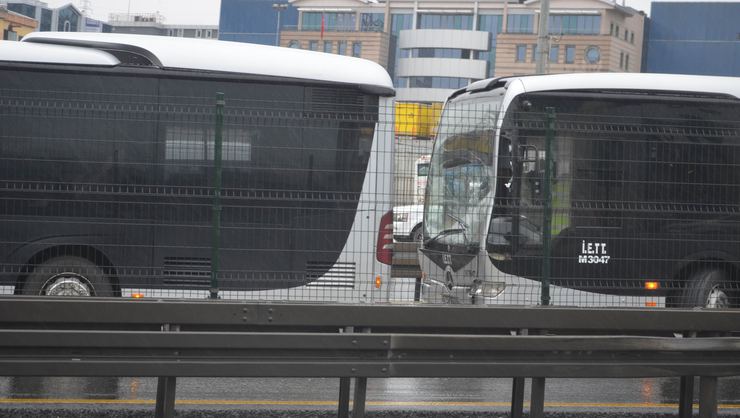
point(137, 295)
point(378, 282)
point(651, 304)
point(652, 285)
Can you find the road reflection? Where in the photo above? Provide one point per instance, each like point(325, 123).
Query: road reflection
point(648, 391)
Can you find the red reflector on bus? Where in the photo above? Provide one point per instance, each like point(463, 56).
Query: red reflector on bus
point(384, 248)
point(651, 304)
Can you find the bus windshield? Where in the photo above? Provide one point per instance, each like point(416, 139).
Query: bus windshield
point(458, 189)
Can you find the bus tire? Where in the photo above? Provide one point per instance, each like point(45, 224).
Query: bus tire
point(707, 288)
point(67, 276)
point(417, 234)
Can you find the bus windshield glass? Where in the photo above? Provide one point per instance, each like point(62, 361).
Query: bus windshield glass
point(458, 189)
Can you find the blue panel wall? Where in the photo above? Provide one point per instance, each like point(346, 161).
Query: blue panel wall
point(694, 38)
point(253, 21)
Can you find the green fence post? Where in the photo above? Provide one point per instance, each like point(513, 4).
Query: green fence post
point(216, 208)
point(547, 206)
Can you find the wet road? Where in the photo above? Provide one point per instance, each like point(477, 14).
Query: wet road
point(575, 395)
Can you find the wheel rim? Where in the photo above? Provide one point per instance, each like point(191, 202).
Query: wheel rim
point(717, 298)
point(67, 284)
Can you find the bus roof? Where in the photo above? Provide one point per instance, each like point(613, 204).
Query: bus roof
point(213, 56)
point(691, 84)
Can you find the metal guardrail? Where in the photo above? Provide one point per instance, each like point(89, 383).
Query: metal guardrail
point(169, 339)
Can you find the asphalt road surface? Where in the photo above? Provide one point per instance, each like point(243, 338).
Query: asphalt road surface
point(111, 397)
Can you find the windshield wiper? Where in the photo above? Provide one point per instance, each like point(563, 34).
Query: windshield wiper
point(446, 232)
point(463, 229)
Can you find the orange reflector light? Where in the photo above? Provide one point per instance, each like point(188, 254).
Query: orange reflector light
point(651, 304)
point(137, 295)
point(652, 285)
point(378, 282)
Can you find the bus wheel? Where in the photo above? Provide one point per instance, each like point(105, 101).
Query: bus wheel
point(417, 234)
point(708, 288)
point(67, 276)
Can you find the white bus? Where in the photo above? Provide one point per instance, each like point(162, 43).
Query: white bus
point(645, 182)
point(107, 171)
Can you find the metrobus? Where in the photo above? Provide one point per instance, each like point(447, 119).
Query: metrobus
point(645, 183)
point(107, 172)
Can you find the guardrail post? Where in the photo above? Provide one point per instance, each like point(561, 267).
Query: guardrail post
point(166, 386)
point(686, 391)
point(517, 392)
point(343, 407)
point(344, 387)
point(358, 400)
point(708, 397)
point(537, 401)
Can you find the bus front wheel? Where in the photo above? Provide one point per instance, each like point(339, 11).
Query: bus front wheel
point(67, 276)
point(708, 288)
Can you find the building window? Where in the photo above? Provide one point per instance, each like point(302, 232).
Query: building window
point(554, 52)
point(626, 33)
point(632, 38)
point(313, 45)
point(437, 82)
point(593, 54)
point(621, 60)
point(435, 53)
point(372, 22)
point(627, 62)
point(356, 49)
point(294, 44)
point(209, 33)
point(520, 23)
point(445, 21)
point(490, 23)
point(570, 54)
point(534, 52)
point(67, 26)
point(521, 53)
point(342, 47)
point(198, 33)
point(327, 47)
point(574, 25)
point(616, 31)
point(332, 21)
point(611, 29)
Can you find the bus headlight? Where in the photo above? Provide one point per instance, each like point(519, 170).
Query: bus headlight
point(487, 289)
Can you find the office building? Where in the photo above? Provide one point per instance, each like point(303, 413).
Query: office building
point(694, 38)
point(14, 25)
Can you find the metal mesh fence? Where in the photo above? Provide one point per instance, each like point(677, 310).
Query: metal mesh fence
point(284, 193)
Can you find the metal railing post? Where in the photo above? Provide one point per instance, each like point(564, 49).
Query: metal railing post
point(344, 388)
point(517, 390)
point(686, 391)
point(547, 207)
point(708, 397)
point(166, 388)
point(360, 395)
point(216, 209)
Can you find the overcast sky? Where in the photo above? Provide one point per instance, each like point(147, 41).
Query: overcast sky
point(202, 12)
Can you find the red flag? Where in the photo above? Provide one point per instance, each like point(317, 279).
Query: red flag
point(322, 26)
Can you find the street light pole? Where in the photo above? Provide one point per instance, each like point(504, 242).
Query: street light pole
point(279, 7)
point(543, 38)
